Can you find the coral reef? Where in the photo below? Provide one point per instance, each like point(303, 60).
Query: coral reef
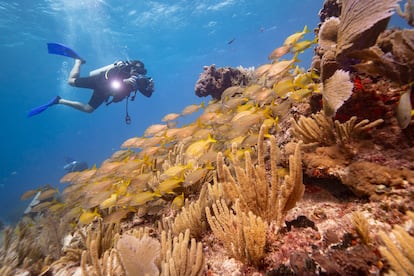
point(213, 81)
point(361, 226)
point(401, 258)
point(243, 235)
point(285, 171)
point(192, 216)
point(330, 8)
point(391, 56)
point(138, 256)
point(270, 201)
point(178, 259)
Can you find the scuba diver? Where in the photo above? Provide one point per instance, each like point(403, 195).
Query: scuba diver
point(73, 165)
point(111, 83)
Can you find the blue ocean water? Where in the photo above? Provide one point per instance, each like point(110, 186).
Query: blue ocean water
point(174, 39)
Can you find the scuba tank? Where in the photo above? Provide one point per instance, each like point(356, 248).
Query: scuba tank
point(136, 65)
point(105, 69)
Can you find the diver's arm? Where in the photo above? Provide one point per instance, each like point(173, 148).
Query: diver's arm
point(142, 83)
point(131, 82)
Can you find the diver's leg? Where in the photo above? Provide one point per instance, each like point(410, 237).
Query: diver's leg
point(77, 105)
point(75, 72)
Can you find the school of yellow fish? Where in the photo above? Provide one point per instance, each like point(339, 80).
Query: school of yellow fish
point(167, 163)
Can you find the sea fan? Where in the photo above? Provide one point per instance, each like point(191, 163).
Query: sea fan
point(362, 22)
point(336, 90)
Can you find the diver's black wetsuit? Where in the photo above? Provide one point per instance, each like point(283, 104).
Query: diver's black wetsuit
point(101, 83)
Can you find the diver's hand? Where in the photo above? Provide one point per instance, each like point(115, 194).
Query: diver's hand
point(131, 82)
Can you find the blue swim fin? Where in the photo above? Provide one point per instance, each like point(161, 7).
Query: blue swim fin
point(60, 49)
point(42, 108)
